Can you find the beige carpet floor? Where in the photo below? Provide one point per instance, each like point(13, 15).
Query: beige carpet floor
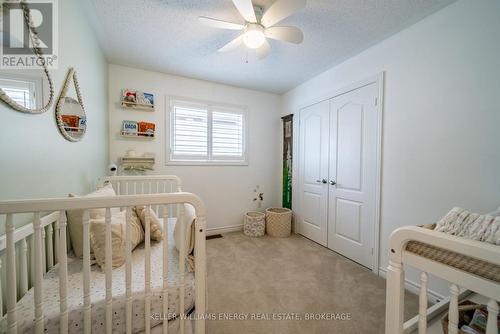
point(269, 277)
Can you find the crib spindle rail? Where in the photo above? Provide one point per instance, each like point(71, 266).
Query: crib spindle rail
point(422, 308)
point(11, 275)
point(24, 239)
point(63, 274)
point(147, 270)
point(165, 271)
point(128, 273)
point(50, 247)
point(109, 273)
point(459, 280)
point(39, 267)
point(491, 326)
point(58, 207)
point(1, 294)
point(150, 184)
point(182, 269)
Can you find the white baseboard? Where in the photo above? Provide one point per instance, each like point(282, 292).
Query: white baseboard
point(413, 287)
point(224, 229)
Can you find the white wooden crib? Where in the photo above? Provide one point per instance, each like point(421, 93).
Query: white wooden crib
point(49, 244)
point(465, 264)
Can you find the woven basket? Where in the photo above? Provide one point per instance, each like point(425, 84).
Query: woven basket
point(254, 224)
point(465, 312)
point(279, 222)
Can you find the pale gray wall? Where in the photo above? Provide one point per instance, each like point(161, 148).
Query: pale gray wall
point(35, 160)
point(441, 138)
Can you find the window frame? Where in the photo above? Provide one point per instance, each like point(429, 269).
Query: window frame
point(36, 83)
point(210, 159)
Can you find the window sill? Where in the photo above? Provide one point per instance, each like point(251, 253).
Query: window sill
point(205, 163)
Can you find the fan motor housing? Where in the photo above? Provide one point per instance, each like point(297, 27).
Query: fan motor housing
point(259, 11)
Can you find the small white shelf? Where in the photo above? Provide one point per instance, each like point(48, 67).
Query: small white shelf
point(137, 163)
point(71, 129)
point(137, 135)
point(137, 106)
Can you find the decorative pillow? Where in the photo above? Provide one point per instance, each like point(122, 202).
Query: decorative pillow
point(154, 222)
point(189, 217)
point(75, 218)
point(118, 237)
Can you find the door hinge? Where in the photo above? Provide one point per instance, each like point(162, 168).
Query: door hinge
point(376, 101)
point(372, 251)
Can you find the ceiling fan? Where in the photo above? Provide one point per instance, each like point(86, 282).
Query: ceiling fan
point(259, 25)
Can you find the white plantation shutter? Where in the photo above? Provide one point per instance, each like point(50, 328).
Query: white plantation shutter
point(227, 134)
point(205, 133)
point(190, 132)
point(22, 92)
point(20, 96)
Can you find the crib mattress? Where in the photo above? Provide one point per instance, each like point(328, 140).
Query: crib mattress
point(462, 262)
point(25, 307)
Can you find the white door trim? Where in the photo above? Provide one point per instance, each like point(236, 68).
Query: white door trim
point(379, 80)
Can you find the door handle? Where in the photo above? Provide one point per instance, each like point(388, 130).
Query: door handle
point(333, 182)
point(324, 181)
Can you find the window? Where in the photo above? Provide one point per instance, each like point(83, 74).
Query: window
point(202, 133)
point(22, 89)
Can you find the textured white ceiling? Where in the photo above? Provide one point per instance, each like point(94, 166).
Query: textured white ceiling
point(165, 36)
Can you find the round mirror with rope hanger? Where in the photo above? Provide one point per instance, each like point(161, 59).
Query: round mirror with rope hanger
point(70, 113)
point(35, 41)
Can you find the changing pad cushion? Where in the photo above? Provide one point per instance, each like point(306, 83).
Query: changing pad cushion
point(25, 307)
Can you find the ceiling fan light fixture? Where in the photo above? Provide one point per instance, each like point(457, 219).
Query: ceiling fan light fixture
point(259, 25)
point(254, 36)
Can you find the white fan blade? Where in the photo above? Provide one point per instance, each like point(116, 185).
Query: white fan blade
point(280, 10)
point(232, 45)
point(214, 23)
point(287, 34)
point(245, 7)
point(264, 50)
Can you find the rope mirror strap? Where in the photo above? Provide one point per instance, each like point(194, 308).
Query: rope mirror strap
point(79, 96)
point(60, 124)
point(78, 93)
point(38, 52)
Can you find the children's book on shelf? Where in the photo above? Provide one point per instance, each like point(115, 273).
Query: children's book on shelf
point(147, 129)
point(137, 99)
point(146, 99)
point(129, 127)
point(150, 98)
point(74, 123)
point(129, 96)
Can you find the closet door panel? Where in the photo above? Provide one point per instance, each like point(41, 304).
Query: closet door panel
point(313, 171)
point(350, 147)
point(353, 149)
point(312, 148)
point(348, 216)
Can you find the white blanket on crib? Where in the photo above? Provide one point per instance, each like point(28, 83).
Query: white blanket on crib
point(463, 223)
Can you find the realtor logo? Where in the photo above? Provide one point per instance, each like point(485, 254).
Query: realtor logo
point(18, 40)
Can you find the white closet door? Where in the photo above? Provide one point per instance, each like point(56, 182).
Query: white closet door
point(313, 171)
point(353, 174)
